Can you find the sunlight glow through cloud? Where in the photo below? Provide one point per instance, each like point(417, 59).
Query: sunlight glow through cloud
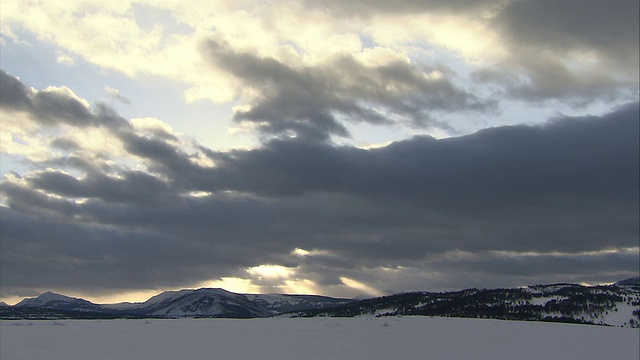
point(371, 291)
point(303, 252)
point(271, 271)
point(234, 284)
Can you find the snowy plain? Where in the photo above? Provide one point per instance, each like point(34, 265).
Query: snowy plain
point(314, 339)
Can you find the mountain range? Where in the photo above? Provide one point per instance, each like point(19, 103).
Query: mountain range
point(205, 302)
point(614, 305)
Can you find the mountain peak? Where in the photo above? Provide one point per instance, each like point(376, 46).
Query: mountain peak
point(52, 300)
point(614, 305)
point(44, 298)
point(216, 290)
point(630, 281)
point(51, 296)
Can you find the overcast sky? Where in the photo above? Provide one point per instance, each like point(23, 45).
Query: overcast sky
point(345, 148)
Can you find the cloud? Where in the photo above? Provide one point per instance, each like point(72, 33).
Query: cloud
point(418, 213)
point(109, 204)
point(13, 92)
point(65, 59)
point(607, 31)
point(94, 257)
point(377, 7)
point(533, 51)
point(522, 160)
point(115, 93)
point(53, 106)
point(570, 50)
point(129, 186)
point(43, 124)
point(309, 102)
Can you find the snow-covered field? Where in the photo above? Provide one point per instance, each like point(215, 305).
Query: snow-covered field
point(311, 339)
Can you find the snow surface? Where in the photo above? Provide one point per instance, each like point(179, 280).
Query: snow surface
point(623, 314)
point(545, 299)
point(313, 339)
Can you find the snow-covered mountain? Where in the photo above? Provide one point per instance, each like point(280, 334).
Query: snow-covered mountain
point(634, 281)
point(219, 302)
point(54, 301)
point(279, 303)
point(616, 305)
point(205, 302)
point(202, 302)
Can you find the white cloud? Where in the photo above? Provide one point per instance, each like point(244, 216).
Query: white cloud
point(126, 37)
point(116, 94)
point(150, 124)
point(110, 34)
point(96, 141)
point(32, 147)
point(68, 93)
point(65, 59)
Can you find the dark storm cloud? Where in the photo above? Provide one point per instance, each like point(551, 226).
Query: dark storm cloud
point(25, 199)
point(550, 44)
point(99, 258)
point(610, 28)
point(547, 78)
point(565, 157)
point(51, 107)
point(494, 269)
point(490, 269)
point(569, 186)
point(13, 93)
point(165, 158)
point(577, 51)
point(312, 101)
point(130, 186)
point(54, 107)
point(590, 156)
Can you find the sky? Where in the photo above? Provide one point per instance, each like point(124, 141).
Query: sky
point(343, 148)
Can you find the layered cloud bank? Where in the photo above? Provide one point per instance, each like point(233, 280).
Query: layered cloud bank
point(147, 209)
point(96, 202)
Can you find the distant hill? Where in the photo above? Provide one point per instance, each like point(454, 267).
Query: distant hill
point(199, 303)
point(54, 301)
point(613, 305)
point(278, 303)
point(634, 281)
point(205, 302)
